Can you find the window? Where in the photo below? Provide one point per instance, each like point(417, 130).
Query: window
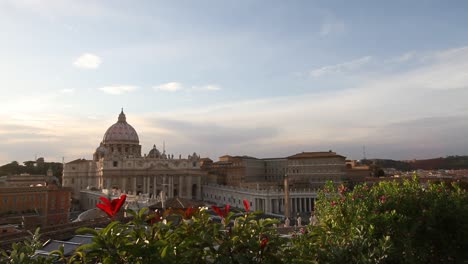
point(115, 163)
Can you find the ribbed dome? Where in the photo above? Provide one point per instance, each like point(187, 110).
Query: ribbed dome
point(121, 132)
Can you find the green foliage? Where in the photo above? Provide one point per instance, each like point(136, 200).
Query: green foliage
point(24, 252)
point(391, 222)
point(195, 239)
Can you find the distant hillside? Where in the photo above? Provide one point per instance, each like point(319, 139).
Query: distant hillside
point(32, 167)
point(448, 163)
point(387, 163)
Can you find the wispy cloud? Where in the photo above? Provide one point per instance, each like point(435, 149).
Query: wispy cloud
point(341, 67)
point(344, 120)
point(169, 87)
point(404, 57)
point(88, 61)
point(177, 86)
point(118, 89)
point(209, 87)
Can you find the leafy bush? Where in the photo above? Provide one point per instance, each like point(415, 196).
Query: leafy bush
point(391, 222)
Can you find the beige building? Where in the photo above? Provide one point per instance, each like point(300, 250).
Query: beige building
point(118, 164)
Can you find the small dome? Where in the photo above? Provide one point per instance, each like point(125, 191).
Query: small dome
point(121, 132)
point(154, 152)
point(101, 150)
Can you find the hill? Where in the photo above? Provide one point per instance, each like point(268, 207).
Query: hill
point(447, 163)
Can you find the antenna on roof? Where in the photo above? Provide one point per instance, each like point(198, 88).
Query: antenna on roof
point(164, 146)
point(364, 152)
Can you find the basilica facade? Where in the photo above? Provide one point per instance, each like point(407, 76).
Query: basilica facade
point(118, 165)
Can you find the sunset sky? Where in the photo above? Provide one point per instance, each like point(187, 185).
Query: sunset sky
point(245, 77)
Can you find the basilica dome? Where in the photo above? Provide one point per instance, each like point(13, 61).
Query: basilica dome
point(121, 132)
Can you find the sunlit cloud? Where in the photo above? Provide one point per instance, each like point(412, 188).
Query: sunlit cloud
point(177, 86)
point(88, 61)
point(118, 89)
point(169, 87)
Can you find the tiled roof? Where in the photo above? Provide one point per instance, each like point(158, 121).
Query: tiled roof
point(311, 155)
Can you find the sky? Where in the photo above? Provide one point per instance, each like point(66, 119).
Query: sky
point(259, 78)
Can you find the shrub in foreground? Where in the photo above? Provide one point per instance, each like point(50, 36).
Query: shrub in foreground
point(391, 222)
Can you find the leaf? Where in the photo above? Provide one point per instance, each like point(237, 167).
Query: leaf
point(164, 251)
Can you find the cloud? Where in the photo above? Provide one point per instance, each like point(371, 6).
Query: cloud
point(177, 86)
point(404, 57)
point(397, 115)
point(118, 89)
point(169, 87)
point(341, 67)
point(209, 87)
point(87, 61)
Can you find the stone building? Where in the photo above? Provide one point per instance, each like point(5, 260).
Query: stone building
point(118, 164)
point(261, 181)
point(305, 170)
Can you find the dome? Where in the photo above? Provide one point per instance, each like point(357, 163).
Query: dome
point(154, 152)
point(121, 132)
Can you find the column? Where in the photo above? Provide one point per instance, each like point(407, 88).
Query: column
point(199, 188)
point(181, 186)
point(171, 186)
point(293, 202)
point(267, 205)
point(155, 189)
point(149, 185)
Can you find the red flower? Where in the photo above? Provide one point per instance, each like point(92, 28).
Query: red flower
point(189, 212)
point(264, 242)
point(342, 189)
point(383, 199)
point(111, 208)
point(154, 217)
point(222, 213)
point(246, 205)
point(333, 203)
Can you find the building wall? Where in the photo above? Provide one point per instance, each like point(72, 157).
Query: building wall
point(51, 204)
point(269, 201)
point(150, 176)
point(315, 172)
point(305, 170)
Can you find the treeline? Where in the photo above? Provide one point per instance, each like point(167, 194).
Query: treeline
point(447, 163)
point(32, 167)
